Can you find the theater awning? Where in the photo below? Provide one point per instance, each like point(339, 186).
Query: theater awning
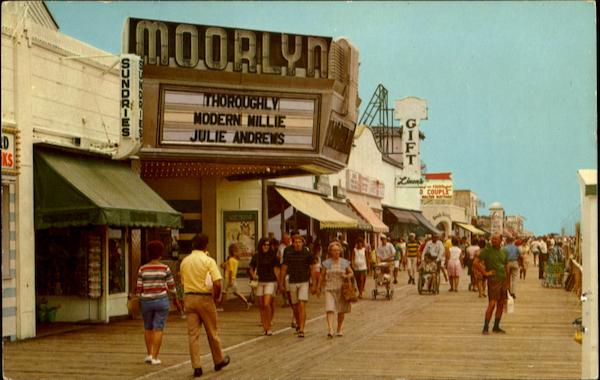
point(366, 212)
point(345, 209)
point(77, 191)
point(315, 207)
point(471, 228)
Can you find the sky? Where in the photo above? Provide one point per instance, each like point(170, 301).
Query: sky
point(511, 87)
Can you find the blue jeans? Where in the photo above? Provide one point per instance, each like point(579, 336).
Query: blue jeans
point(155, 312)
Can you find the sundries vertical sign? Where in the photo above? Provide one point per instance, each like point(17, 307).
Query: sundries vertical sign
point(131, 104)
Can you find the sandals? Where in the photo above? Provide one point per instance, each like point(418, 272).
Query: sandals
point(300, 334)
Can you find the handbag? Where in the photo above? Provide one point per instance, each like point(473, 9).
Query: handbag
point(349, 291)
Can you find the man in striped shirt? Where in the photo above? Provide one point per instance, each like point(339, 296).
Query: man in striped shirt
point(412, 250)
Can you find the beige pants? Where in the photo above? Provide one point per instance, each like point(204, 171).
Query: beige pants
point(200, 309)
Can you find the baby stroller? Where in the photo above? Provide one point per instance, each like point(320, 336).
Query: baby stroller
point(429, 276)
point(383, 279)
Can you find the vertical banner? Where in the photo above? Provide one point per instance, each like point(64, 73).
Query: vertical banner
point(410, 111)
point(131, 105)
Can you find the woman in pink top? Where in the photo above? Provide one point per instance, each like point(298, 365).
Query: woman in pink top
point(454, 264)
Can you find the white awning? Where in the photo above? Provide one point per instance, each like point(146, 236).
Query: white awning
point(316, 207)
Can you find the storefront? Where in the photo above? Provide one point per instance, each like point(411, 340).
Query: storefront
point(10, 172)
point(92, 217)
point(226, 109)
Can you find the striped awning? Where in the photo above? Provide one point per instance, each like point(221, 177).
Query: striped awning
point(471, 228)
point(345, 209)
point(315, 207)
point(366, 212)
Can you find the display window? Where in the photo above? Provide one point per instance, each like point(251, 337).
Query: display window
point(68, 262)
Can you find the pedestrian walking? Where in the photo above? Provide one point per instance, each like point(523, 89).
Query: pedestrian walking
point(231, 266)
point(479, 274)
point(496, 263)
point(412, 250)
point(534, 247)
point(523, 257)
point(543, 258)
point(200, 298)
point(263, 267)
point(359, 265)
point(435, 248)
point(297, 262)
point(154, 281)
point(286, 241)
point(471, 251)
point(454, 264)
point(512, 256)
point(335, 270)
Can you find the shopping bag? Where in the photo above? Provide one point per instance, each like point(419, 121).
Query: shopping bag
point(349, 291)
point(510, 303)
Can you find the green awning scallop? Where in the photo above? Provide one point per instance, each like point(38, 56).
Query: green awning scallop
point(79, 190)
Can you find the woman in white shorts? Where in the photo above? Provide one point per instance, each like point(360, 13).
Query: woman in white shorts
point(262, 267)
point(333, 272)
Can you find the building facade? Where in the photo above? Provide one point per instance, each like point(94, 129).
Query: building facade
point(77, 211)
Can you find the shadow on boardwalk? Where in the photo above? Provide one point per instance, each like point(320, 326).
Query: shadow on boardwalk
point(412, 337)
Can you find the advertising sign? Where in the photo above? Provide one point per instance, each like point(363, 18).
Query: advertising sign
point(438, 186)
point(9, 151)
point(218, 117)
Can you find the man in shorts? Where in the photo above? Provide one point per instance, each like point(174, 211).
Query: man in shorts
point(297, 263)
point(496, 263)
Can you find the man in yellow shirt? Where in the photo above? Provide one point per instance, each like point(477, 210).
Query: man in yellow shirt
point(200, 298)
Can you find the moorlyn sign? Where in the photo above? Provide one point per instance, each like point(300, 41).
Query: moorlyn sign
point(214, 48)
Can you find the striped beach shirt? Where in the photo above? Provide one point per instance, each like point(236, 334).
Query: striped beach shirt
point(154, 280)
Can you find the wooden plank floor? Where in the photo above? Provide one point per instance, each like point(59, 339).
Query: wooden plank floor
point(412, 337)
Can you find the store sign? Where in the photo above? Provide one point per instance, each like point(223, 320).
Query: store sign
point(213, 48)
point(408, 181)
point(358, 183)
point(217, 117)
point(130, 121)
point(9, 151)
point(410, 111)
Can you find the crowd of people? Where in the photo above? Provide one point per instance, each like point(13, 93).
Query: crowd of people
point(297, 266)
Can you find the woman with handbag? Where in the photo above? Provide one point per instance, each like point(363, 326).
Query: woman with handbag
point(334, 272)
point(262, 269)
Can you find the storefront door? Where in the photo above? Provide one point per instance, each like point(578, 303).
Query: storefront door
point(118, 266)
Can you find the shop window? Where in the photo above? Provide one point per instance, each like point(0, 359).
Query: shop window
point(66, 262)
point(116, 262)
point(5, 232)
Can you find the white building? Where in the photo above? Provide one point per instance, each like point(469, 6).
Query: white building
point(61, 131)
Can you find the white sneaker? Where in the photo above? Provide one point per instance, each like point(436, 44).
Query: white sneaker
point(148, 359)
point(155, 361)
point(219, 309)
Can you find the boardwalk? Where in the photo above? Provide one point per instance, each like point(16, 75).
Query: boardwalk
point(411, 337)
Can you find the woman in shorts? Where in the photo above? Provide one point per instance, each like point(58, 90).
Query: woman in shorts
point(154, 281)
point(263, 267)
point(333, 272)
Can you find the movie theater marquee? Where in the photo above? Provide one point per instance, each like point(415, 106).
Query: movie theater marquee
point(215, 117)
point(238, 92)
